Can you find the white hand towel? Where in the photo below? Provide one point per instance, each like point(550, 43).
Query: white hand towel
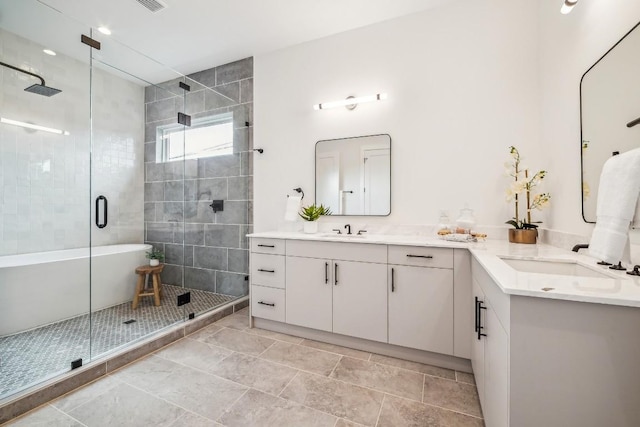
point(293, 207)
point(617, 198)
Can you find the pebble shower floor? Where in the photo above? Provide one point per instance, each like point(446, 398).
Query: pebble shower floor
point(32, 356)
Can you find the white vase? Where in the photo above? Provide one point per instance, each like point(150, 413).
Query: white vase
point(311, 227)
point(154, 262)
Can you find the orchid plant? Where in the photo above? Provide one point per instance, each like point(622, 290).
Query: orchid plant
point(522, 186)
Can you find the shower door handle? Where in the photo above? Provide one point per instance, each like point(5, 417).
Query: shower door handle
point(98, 223)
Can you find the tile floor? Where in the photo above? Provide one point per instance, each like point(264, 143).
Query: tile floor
point(229, 375)
point(32, 356)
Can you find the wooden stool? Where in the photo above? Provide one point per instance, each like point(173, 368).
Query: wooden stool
point(154, 275)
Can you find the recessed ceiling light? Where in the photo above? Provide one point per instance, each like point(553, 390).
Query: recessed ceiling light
point(105, 31)
point(49, 52)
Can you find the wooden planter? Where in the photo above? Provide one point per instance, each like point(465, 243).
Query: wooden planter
point(528, 236)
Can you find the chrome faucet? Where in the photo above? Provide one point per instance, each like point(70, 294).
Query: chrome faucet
point(348, 227)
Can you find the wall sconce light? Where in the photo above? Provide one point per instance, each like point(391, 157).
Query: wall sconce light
point(32, 126)
point(351, 102)
point(567, 6)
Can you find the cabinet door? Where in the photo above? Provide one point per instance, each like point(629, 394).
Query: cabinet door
point(477, 345)
point(308, 292)
point(421, 308)
point(496, 405)
point(360, 300)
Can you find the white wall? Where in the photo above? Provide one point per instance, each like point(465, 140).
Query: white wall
point(462, 82)
point(569, 45)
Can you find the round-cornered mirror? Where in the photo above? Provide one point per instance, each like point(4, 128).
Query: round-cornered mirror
point(353, 175)
point(609, 109)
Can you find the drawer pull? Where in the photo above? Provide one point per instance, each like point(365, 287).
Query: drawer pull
point(266, 246)
point(266, 271)
point(420, 256)
point(270, 304)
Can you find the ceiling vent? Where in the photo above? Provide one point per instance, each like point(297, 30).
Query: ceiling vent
point(152, 5)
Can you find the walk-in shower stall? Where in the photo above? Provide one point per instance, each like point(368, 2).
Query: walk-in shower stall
point(106, 154)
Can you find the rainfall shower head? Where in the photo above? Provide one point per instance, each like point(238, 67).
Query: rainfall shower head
point(40, 89)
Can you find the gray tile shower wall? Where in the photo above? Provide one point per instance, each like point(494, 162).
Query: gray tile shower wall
point(177, 195)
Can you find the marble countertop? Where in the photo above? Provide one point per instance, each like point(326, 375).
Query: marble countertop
point(613, 287)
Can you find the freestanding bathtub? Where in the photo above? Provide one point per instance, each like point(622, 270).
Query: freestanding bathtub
point(41, 288)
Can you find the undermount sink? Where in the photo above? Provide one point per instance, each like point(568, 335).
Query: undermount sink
point(343, 236)
point(563, 268)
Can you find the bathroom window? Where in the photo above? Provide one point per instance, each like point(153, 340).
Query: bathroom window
point(206, 137)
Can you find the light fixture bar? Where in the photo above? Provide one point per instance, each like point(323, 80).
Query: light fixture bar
point(350, 101)
point(32, 126)
point(567, 6)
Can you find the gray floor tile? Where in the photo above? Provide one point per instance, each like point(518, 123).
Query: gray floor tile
point(146, 373)
point(346, 423)
point(304, 358)
point(464, 377)
point(259, 409)
point(414, 366)
point(386, 378)
point(356, 354)
point(199, 392)
point(84, 394)
point(275, 335)
point(205, 332)
point(126, 406)
point(239, 341)
point(46, 416)
point(398, 412)
point(340, 399)
point(238, 321)
point(192, 420)
point(253, 372)
point(194, 354)
point(452, 395)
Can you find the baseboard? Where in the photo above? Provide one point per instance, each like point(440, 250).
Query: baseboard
point(420, 356)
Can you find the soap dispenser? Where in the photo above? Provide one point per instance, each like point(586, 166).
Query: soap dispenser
point(466, 221)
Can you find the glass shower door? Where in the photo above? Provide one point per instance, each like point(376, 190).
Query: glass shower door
point(44, 189)
point(136, 197)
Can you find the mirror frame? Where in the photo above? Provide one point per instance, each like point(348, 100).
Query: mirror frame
point(315, 170)
point(581, 119)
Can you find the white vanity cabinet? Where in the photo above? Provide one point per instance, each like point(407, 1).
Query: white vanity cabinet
point(268, 279)
point(420, 296)
point(309, 293)
point(489, 356)
point(330, 287)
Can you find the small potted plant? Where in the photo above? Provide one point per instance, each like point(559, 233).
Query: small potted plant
point(155, 256)
point(524, 230)
point(311, 214)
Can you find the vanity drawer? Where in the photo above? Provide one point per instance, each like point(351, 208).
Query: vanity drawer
point(348, 251)
point(267, 270)
point(267, 246)
point(267, 303)
point(421, 256)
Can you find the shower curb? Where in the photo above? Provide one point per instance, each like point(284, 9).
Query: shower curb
point(29, 399)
